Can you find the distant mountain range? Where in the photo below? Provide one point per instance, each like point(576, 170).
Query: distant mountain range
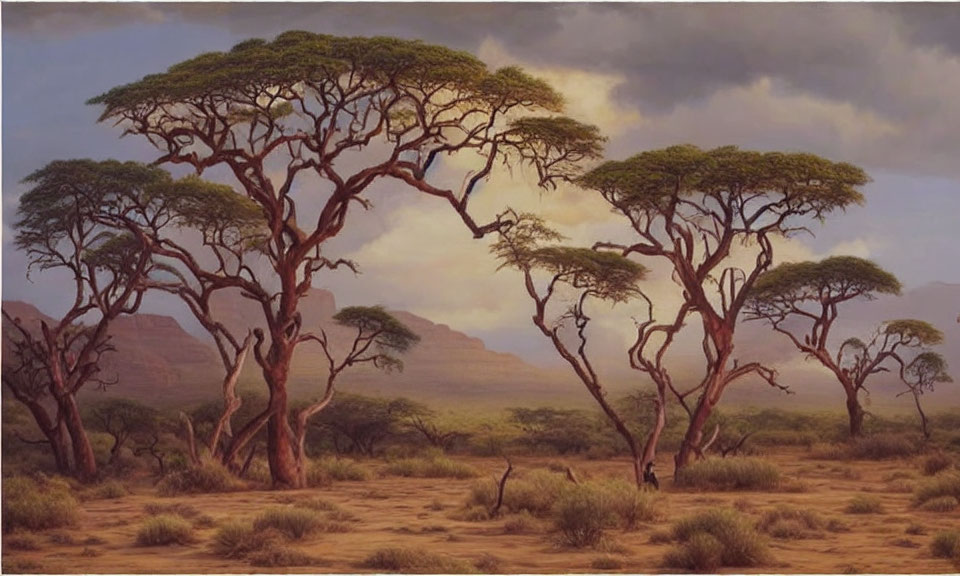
point(158, 361)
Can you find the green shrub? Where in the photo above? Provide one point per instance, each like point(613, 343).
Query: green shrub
point(163, 530)
point(785, 522)
point(940, 504)
point(729, 474)
point(936, 463)
point(606, 563)
point(109, 490)
point(535, 492)
point(37, 506)
point(294, 523)
point(882, 447)
point(630, 505)
point(785, 438)
point(936, 487)
point(327, 469)
point(862, 504)
point(581, 516)
point(207, 478)
point(946, 545)
point(701, 552)
point(238, 539)
point(435, 466)
point(279, 556)
point(413, 561)
point(739, 543)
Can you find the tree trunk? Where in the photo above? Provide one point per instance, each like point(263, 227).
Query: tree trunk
point(284, 467)
point(855, 413)
point(653, 438)
point(56, 434)
point(923, 417)
point(690, 446)
point(85, 462)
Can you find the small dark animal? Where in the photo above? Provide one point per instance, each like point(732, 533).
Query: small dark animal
point(650, 477)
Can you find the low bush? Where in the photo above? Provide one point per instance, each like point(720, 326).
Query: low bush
point(535, 492)
point(630, 505)
point(488, 564)
point(163, 530)
point(946, 545)
point(435, 466)
point(520, 524)
point(279, 556)
point(729, 474)
point(862, 504)
point(21, 542)
point(787, 523)
point(936, 463)
point(940, 504)
point(207, 478)
point(325, 470)
point(294, 523)
point(33, 505)
point(411, 561)
point(581, 516)
point(882, 447)
point(715, 538)
point(238, 539)
point(837, 525)
point(109, 490)
point(936, 487)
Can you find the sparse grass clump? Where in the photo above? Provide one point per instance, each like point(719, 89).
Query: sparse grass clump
point(207, 478)
point(435, 466)
point(715, 538)
point(32, 505)
point(940, 504)
point(109, 490)
point(21, 542)
point(325, 471)
point(729, 474)
point(862, 504)
point(630, 505)
point(900, 486)
point(488, 564)
point(882, 447)
point(916, 529)
point(535, 492)
point(413, 561)
point(520, 524)
point(294, 523)
point(936, 463)
point(937, 487)
point(238, 539)
point(279, 556)
point(177, 508)
point(787, 523)
point(606, 563)
point(837, 525)
point(163, 530)
point(946, 545)
point(581, 516)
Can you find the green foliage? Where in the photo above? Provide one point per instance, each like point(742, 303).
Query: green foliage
point(881, 447)
point(387, 333)
point(654, 179)
point(33, 505)
point(724, 532)
point(913, 332)
point(862, 504)
point(840, 277)
point(940, 504)
point(163, 530)
point(362, 424)
point(729, 474)
point(785, 522)
point(294, 523)
point(535, 492)
point(415, 561)
point(560, 431)
point(208, 478)
point(936, 487)
point(435, 466)
point(581, 515)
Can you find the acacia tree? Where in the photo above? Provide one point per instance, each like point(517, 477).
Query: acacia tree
point(591, 275)
point(58, 230)
point(689, 207)
point(123, 420)
point(272, 113)
point(801, 300)
point(924, 372)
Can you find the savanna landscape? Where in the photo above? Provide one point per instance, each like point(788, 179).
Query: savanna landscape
point(438, 288)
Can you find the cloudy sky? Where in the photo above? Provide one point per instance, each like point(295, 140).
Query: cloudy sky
point(876, 85)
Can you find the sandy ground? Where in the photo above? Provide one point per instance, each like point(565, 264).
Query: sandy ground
point(402, 512)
